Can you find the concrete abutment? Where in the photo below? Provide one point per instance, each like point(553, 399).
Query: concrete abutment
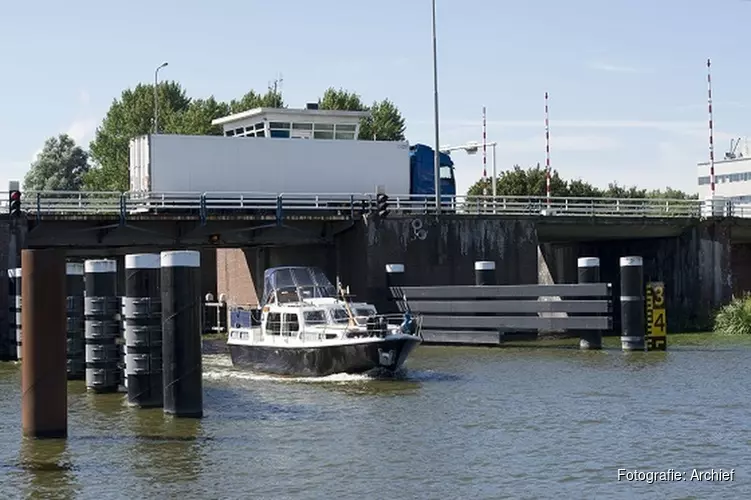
point(702, 265)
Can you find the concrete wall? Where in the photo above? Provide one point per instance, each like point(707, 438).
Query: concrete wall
point(695, 267)
point(556, 263)
point(445, 253)
point(433, 255)
point(740, 258)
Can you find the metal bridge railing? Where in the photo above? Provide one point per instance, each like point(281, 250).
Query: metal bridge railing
point(91, 203)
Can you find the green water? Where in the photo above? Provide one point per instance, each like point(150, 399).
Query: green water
point(535, 420)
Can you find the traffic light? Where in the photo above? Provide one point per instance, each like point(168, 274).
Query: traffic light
point(14, 203)
point(382, 205)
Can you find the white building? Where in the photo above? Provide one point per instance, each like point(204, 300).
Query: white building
point(732, 175)
point(309, 123)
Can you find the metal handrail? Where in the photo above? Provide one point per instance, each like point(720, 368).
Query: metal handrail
point(91, 203)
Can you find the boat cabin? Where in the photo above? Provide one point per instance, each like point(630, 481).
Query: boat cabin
point(302, 302)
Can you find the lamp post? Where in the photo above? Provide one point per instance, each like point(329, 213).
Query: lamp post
point(472, 148)
point(437, 153)
point(156, 97)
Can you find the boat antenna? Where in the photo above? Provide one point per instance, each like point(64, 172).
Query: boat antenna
point(346, 304)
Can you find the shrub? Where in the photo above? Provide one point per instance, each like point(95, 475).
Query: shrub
point(734, 318)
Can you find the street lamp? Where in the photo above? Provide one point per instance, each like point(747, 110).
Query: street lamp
point(437, 153)
point(472, 148)
point(156, 97)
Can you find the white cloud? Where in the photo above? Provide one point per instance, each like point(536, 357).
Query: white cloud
point(83, 127)
point(614, 68)
point(670, 126)
point(578, 143)
point(82, 130)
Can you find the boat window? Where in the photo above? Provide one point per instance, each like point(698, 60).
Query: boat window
point(339, 316)
point(314, 317)
point(364, 311)
point(287, 295)
point(291, 324)
point(274, 324)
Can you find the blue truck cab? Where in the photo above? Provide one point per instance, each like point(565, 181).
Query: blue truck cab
point(422, 168)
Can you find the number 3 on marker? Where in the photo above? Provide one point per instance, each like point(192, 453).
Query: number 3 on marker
point(658, 292)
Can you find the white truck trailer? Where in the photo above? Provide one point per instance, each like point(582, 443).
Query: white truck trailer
point(168, 163)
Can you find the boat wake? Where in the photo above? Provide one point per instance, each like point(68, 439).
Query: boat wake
point(219, 367)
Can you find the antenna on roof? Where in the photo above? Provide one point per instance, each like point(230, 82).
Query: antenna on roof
point(276, 85)
point(731, 154)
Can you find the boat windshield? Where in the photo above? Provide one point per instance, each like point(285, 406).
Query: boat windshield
point(317, 317)
point(339, 316)
point(294, 284)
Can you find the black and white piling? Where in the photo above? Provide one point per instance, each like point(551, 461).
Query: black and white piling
point(181, 333)
point(395, 277)
point(485, 273)
point(632, 304)
point(14, 277)
point(76, 347)
point(10, 350)
point(102, 326)
point(142, 313)
point(588, 269)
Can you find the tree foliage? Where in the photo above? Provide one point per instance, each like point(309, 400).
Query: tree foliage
point(133, 115)
point(130, 116)
point(531, 182)
point(60, 166)
point(385, 122)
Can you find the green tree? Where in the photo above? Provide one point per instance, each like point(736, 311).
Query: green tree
point(341, 100)
point(196, 119)
point(531, 182)
point(520, 182)
point(61, 166)
point(580, 188)
point(385, 122)
point(616, 191)
point(130, 116)
point(271, 99)
point(671, 194)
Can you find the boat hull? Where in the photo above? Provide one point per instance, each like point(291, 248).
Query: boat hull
point(318, 361)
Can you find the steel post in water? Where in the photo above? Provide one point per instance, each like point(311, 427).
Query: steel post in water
point(181, 333)
point(44, 400)
point(142, 313)
point(75, 325)
point(588, 269)
point(632, 304)
point(102, 326)
point(485, 273)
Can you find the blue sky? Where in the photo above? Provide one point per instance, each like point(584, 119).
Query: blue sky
point(627, 78)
